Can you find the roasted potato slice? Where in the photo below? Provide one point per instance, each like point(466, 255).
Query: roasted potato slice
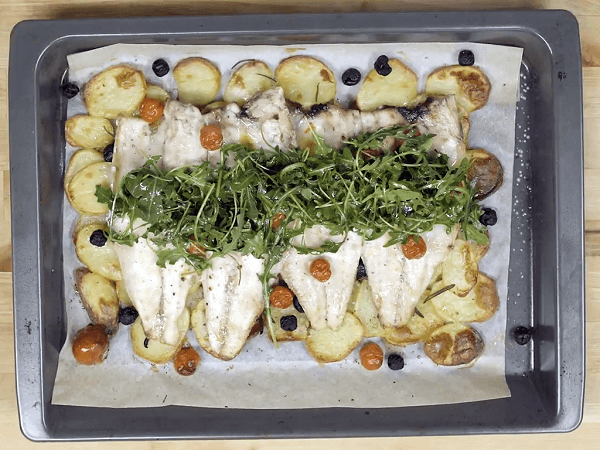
point(122, 294)
point(101, 260)
point(327, 345)
point(460, 268)
point(154, 350)
point(301, 331)
point(88, 131)
point(485, 171)
point(118, 90)
point(198, 81)
point(81, 159)
point(398, 88)
point(81, 190)
point(453, 344)
point(468, 83)
point(418, 328)
point(251, 77)
point(99, 298)
point(477, 306)
point(480, 250)
point(364, 309)
point(306, 80)
point(157, 93)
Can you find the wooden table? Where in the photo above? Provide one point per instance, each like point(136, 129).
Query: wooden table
point(587, 436)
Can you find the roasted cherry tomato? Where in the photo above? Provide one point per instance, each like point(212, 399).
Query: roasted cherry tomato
point(281, 297)
point(414, 249)
point(187, 361)
point(211, 137)
point(151, 110)
point(320, 269)
point(90, 345)
point(371, 356)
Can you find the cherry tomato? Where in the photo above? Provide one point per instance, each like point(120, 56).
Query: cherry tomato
point(211, 137)
point(320, 269)
point(151, 110)
point(414, 249)
point(371, 356)
point(187, 361)
point(277, 219)
point(90, 345)
point(281, 297)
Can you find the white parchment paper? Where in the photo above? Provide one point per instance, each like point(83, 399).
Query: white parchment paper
point(262, 377)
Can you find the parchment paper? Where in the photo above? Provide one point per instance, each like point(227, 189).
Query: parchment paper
point(262, 377)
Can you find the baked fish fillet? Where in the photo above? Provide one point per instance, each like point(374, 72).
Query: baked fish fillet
point(324, 303)
point(397, 283)
point(233, 296)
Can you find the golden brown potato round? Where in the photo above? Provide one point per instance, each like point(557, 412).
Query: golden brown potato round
point(198, 81)
point(486, 171)
point(198, 321)
point(418, 328)
point(468, 83)
point(90, 345)
point(478, 305)
point(362, 306)
point(99, 259)
point(99, 298)
point(453, 344)
point(157, 93)
point(460, 268)
point(90, 132)
point(306, 80)
point(248, 79)
point(118, 90)
point(327, 345)
point(154, 350)
point(81, 159)
point(399, 88)
point(81, 190)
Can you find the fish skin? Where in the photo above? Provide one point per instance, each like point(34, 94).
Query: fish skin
point(442, 119)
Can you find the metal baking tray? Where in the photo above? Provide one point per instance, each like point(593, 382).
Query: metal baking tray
point(546, 280)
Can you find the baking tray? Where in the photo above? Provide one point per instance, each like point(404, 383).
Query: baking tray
point(546, 278)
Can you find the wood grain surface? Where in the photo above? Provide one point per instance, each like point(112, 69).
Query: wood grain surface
point(587, 436)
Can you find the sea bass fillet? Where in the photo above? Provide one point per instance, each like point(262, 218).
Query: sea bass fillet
point(324, 303)
point(397, 283)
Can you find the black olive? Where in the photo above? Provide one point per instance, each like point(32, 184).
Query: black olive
point(412, 114)
point(351, 77)
point(69, 90)
point(127, 315)
point(108, 152)
point(395, 361)
point(466, 58)
point(522, 335)
point(297, 304)
point(160, 67)
point(382, 67)
point(489, 217)
point(361, 271)
point(316, 109)
point(288, 323)
point(98, 238)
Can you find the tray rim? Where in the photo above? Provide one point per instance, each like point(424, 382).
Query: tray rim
point(23, 119)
